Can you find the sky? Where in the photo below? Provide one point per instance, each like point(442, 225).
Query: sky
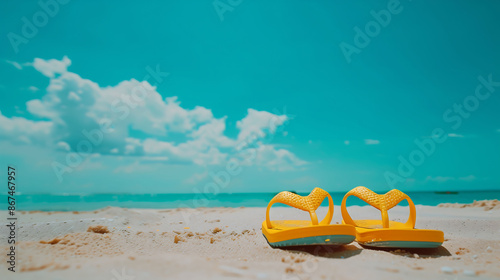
point(250, 96)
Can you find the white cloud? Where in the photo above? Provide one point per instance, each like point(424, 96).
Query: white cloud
point(273, 158)
point(15, 64)
point(196, 178)
point(371, 142)
point(136, 166)
point(76, 109)
point(23, 130)
point(212, 133)
point(442, 179)
point(454, 135)
point(52, 66)
point(33, 88)
point(439, 179)
point(198, 151)
point(346, 142)
point(63, 146)
point(258, 123)
point(467, 178)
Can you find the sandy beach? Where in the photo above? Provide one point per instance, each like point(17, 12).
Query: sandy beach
point(227, 243)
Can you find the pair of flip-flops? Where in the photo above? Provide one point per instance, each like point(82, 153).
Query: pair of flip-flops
point(375, 233)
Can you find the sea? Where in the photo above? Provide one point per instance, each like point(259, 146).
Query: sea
point(89, 202)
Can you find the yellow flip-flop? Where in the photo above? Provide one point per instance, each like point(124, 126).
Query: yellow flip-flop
point(281, 233)
point(386, 233)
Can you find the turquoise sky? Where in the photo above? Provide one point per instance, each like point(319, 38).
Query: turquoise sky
point(266, 95)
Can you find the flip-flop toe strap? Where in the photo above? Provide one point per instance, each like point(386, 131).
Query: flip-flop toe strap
point(306, 203)
point(382, 202)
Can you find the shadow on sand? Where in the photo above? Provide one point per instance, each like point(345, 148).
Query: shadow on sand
point(347, 251)
point(328, 251)
point(410, 252)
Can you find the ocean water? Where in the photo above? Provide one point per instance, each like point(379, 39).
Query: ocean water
point(86, 202)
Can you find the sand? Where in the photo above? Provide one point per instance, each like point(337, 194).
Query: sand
point(226, 243)
point(486, 204)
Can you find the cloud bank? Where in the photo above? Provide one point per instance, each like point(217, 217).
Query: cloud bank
point(133, 119)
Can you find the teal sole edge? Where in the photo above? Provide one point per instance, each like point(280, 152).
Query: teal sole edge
point(315, 240)
point(403, 244)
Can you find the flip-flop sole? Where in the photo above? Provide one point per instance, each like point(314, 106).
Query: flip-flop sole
point(334, 240)
point(298, 232)
point(397, 236)
point(402, 244)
